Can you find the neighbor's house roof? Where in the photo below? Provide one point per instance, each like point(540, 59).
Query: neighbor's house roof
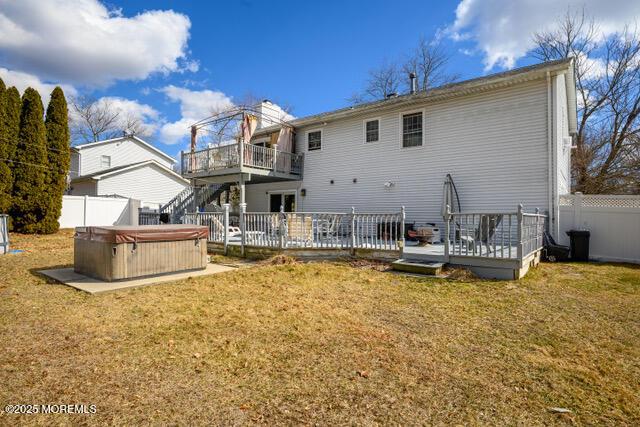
point(80, 147)
point(96, 176)
point(480, 84)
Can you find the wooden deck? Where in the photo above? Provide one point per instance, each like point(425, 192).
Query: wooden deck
point(233, 159)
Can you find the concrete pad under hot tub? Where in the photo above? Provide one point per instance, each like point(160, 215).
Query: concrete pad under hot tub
point(95, 286)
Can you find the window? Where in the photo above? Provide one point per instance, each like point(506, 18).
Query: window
point(105, 162)
point(314, 140)
point(372, 130)
point(412, 129)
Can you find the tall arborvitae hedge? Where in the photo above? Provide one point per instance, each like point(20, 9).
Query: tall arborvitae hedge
point(13, 107)
point(6, 179)
point(58, 154)
point(30, 167)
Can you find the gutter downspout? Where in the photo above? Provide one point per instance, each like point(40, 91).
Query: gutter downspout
point(551, 177)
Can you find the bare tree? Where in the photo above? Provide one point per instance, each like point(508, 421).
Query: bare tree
point(382, 82)
point(94, 120)
point(608, 88)
point(429, 62)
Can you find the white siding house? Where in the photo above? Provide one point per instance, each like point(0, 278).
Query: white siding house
point(504, 144)
point(504, 138)
point(127, 167)
point(110, 153)
point(147, 181)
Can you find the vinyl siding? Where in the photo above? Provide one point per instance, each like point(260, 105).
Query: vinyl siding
point(122, 152)
point(494, 144)
point(147, 183)
point(74, 167)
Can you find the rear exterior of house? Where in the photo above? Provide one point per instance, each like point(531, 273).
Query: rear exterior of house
point(505, 139)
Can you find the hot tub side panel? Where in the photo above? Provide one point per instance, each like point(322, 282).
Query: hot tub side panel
point(94, 259)
point(111, 261)
point(146, 259)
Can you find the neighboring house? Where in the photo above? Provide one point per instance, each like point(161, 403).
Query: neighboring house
point(505, 139)
point(127, 167)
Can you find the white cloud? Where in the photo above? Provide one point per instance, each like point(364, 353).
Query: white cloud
point(503, 29)
point(24, 80)
point(83, 42)
point(194, 106)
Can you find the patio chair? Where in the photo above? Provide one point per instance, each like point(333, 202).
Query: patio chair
point(486, 229)
point(300, 229)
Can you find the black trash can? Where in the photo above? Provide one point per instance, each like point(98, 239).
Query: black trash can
point(579, 244)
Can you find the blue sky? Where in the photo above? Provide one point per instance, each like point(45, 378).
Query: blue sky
point(168, 61)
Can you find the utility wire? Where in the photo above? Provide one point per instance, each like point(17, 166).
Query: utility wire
point(31, 164)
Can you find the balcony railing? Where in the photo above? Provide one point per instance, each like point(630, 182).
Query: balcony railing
point(231, 156)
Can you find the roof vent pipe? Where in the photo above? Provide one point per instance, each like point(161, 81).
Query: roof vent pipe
point(412, 79)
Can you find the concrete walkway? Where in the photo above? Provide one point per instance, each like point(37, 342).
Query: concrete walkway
point(94, 286)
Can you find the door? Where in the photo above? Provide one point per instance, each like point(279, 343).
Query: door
point(288, 200)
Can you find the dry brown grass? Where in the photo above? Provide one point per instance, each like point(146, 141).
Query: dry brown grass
point(322, 343)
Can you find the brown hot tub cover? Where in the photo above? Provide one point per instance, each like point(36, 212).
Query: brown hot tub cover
point(142, 233)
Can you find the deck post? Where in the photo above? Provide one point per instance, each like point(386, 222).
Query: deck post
point(275, 160)
point(447, 232)
point(403, 218)
point(243, 210)
point(242, 194)
point(353, 230)
point(520, 225)
point(282, 228)
point(225, 224)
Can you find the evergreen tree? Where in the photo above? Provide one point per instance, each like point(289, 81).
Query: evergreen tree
point(58, 156)
point(30, 167)
point(6, 179)
point(13, 106)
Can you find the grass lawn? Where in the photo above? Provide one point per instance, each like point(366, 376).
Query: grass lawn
point(322, 343)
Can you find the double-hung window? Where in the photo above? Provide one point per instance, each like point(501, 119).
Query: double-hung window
point(372, 130)
point(314, 140)
point(412, 129)
point(105, 162)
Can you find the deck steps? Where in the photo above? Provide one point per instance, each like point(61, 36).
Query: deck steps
point(418, 267)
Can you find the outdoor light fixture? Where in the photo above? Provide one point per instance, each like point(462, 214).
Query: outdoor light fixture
point(355, 180)
point(331, 182)
point(389, 184)
point(303, 192)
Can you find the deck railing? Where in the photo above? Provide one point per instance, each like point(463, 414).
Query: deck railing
point(213, 220)
point(148, 217)
point(503, 235)
point(229, 156)
point(305, 230)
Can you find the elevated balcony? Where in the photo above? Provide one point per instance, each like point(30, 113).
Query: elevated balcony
point(261, 164)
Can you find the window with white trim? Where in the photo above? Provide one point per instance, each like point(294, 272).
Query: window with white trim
point(372, 130)
point(314, 140)
point(412, 129)
point(105, 162)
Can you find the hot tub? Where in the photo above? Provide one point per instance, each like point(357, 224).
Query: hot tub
point(125, 252)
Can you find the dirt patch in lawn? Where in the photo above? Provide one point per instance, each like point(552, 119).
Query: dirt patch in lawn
point(322, 343)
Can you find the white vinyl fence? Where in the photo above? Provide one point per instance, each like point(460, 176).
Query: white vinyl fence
point(614, 223)
point(79, 211)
